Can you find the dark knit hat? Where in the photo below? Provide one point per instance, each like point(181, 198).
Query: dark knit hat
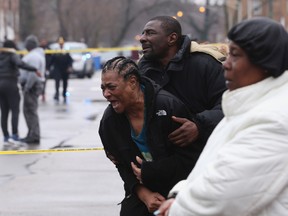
point(31, 42)
point(265, 41)
point(9, 44)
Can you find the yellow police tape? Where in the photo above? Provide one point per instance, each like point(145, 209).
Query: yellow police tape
point(37, 151)
point(101, 49)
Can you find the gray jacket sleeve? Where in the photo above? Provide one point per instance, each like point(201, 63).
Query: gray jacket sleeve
point(17, 61)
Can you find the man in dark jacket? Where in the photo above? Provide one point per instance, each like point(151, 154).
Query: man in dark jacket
point(134, 131)
point(195, 78)
point(61, 64)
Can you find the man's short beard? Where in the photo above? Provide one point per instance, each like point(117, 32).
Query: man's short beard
point(150, 56)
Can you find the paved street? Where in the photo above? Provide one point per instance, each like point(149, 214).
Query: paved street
point(63, 183)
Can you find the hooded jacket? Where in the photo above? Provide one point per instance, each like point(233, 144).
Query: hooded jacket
point(195, 78)
point(170, 162)
point(36, 58)
point(243, 170)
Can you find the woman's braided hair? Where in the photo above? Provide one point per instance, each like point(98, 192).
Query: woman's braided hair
point(124, 66)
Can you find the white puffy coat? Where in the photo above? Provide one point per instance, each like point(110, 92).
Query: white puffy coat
point(243, 170)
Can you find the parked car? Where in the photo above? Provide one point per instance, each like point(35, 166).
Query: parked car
point(83, 63)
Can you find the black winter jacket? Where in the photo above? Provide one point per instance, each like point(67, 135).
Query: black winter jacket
point(59, 63)
point(195, 78)
point(10, 63)
point(170, 163)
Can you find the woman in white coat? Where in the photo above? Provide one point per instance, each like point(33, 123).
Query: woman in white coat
point(243, 169)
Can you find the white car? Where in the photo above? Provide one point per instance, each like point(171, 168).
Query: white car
point(107, 55)
point(83, 63)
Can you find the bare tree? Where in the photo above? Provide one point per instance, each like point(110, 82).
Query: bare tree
point(110, 23)
point(131, 12)
point(200, 22)
point(61, 13)
point(92, 20)
point(27, 18)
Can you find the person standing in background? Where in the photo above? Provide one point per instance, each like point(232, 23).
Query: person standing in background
point(9, 91)
point(32, 87)
point(61, 64)
point(44, 45)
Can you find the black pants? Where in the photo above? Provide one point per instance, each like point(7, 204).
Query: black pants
point(9, 101)
point(64, 77)
point(133, 206)
point(30, 110)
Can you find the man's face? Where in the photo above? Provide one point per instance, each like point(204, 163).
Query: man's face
point(116, 90)
point(154, 40)
point(239, 71)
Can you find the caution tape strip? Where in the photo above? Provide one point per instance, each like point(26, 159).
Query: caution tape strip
point(101, 49)
point(38, 151)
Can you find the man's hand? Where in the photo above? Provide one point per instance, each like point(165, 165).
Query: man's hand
point(164, 208)
point(38, 73)
point(136, 170)
point(185, 134)
point(152, 200)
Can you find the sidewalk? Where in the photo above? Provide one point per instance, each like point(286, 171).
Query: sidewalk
point(63, 183)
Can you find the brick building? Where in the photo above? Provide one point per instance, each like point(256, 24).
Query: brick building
point(238, 10)
point(9, 19)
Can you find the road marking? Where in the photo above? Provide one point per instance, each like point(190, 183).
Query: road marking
point(38, 151)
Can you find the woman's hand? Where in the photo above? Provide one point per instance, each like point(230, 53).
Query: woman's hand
point(164, 208)
point(136, 169)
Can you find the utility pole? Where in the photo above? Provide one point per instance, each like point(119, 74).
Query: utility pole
point(270, 8)
point(206, 21)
